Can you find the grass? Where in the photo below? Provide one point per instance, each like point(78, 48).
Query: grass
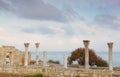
point(78, 76)
point(34, 75)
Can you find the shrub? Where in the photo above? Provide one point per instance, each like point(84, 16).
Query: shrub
point(78, 76)
point(38, 75)
point(55, 62)
point(79, 56)
point(32, 62)
point(102, 63)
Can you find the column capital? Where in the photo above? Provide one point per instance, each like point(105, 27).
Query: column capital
point(110, 44)
point(26, 44)
point(86, 42)
point(37, 45)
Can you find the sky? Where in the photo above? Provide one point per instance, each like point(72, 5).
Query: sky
point(60, 25)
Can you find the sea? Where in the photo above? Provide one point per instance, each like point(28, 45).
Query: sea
point(59, 56)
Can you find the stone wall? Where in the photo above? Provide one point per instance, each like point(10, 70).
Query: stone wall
point(55, 72)
point(16, 56)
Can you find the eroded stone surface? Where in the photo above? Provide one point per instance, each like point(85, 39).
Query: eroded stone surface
point(9, 55)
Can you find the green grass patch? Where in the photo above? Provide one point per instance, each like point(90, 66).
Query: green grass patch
point(34, 75)
point(78, 76)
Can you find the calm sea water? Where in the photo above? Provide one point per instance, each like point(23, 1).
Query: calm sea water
point(59, 56)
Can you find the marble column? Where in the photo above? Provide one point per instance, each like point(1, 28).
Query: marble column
point(26, 54)
point(44, 58)
point(65, 61)
point(37, 54)
point(110, 46)
point(86, 44)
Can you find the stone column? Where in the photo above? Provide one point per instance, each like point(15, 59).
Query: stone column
point(37, 54)
point(26, 54)
point(65, 61)
point(44, 59)
point(110, 46)
point(86, 44)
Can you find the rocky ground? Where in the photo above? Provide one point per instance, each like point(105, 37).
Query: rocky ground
point(117, 68)
point(116, 72)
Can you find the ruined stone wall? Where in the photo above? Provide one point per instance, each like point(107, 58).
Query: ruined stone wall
point(16, 56)
point(56, 72)
point(2, 56)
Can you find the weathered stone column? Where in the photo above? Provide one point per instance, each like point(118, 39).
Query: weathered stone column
point(26, 54)
point(65, 61)
point(44, 59)
point(37, 54)
point(86, 44)
point(110, 46)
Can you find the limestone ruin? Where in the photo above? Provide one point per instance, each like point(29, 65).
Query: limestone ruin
point(20, 60)
point(9, 55)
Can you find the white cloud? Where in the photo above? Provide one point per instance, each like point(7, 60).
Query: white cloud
point(98, 36)
point(74, 40)
point(54, 35)
point(36, 9)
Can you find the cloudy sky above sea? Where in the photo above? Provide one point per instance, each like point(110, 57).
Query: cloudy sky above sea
point(60, 25)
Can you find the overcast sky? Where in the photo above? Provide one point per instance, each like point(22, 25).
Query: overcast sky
point(60, 25)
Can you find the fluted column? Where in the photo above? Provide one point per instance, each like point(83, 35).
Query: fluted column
point(44, 58)
point(37, 55)
point(86, 44)
point(26, 54)
point(110, 46)
point(65, 61)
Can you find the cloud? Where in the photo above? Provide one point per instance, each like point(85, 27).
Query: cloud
point(71, 14)
point(63, 35)
point(48, 28)
point(2, 30)
point(58, 39)
point(63, 30)
point(108, 21)
point(4, 5)
point(32, 9)
point(67, 30)
point(39, 30)
point(97, 3)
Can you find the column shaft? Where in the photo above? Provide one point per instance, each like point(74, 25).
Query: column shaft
point(37, 54)
point(86, 44)
point(65, 61)
point(26, 54)
point(86, 58)
point(44, 57)
point(110, 46)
